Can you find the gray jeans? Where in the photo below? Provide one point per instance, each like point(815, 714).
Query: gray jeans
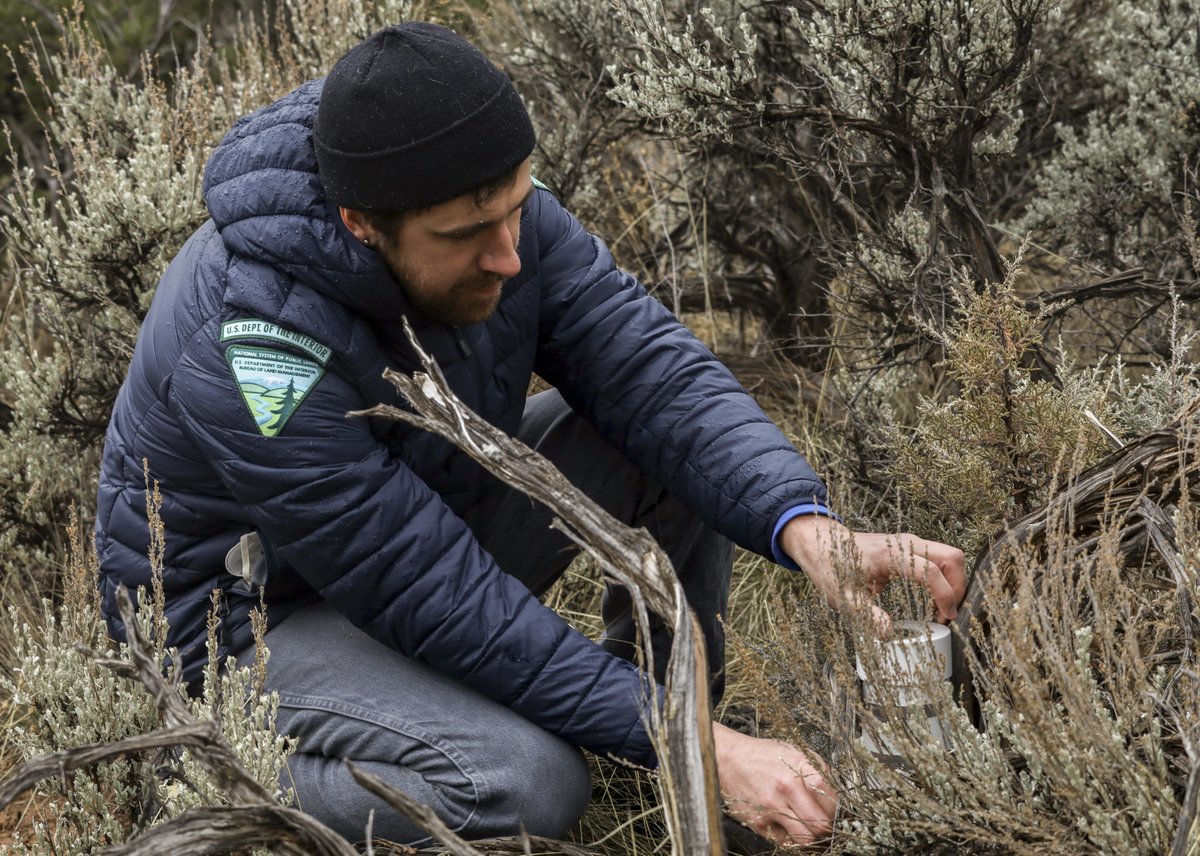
point(484, 769)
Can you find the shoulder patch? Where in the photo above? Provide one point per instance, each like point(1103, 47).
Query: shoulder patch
point(254, 328)
point(272, 383)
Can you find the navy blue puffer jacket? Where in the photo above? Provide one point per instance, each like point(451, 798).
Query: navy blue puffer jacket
point(366, 514)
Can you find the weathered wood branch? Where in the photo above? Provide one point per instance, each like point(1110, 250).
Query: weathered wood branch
point(212, 830)
point(200, 736)
point(683, 729)
point(1130, 283)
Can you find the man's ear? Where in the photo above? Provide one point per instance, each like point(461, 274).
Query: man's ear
point(358, 225)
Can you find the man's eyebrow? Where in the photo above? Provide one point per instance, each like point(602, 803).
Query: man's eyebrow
point(473, 228)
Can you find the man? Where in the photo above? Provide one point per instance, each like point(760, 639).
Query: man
point(400, 578)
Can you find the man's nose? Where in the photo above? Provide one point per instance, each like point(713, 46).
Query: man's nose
point(500, 256)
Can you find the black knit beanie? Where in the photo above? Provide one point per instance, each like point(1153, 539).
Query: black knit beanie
point(413, 116)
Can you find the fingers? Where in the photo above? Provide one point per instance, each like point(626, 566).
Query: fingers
point(813, 807)
point(820, 790)
point(934, 579)
point(774, 788)
point(807, 823)
point(940, 568)
point(882, 621)
point(788, 827)
point(953, 565)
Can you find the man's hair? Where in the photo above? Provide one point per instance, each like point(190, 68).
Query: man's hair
point(387, 223)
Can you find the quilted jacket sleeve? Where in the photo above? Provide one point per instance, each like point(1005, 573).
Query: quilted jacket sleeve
point(375, 541)
point(654, 391)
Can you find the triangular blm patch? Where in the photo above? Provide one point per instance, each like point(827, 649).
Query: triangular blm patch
point(272, 383)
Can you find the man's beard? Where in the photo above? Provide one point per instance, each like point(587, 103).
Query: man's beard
point(469, 300)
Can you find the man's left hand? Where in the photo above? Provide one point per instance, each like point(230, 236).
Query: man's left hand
point(813, 541)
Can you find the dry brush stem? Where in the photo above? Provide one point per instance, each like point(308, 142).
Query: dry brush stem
point(683, 730)
point(200, 736)
point(1187, 834)
point(212, 830)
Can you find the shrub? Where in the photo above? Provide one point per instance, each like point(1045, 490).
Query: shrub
point(841, 163)
point(1087, 733)
point(68, 700)
point(1109, 194)
point(988, 455)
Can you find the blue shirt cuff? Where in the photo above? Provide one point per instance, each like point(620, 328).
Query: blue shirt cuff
point(781, 557)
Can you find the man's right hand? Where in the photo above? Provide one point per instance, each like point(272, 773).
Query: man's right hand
point(773, 788)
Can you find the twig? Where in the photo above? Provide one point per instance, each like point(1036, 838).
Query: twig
point(1113, 439)
point(1185, 838)
point(211, 830)
point(683, 731)
point(422, 815)
point(200, 736)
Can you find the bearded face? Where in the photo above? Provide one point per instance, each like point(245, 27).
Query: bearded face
point(452, 260)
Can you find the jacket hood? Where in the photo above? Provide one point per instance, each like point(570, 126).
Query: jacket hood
point(263, 190)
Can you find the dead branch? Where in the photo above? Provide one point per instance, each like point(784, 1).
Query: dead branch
point(200, 736)
point(212, 830)
point(683, 730)
point(1130, 283)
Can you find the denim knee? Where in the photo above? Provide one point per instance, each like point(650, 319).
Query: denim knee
point(546, 786)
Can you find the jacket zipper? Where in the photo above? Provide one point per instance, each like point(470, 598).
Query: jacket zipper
point(469, 356)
